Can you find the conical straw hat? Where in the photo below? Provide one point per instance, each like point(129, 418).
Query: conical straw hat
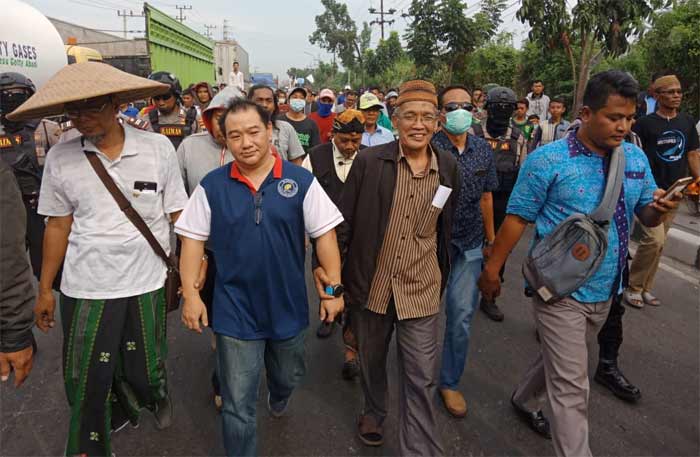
point(82, 81)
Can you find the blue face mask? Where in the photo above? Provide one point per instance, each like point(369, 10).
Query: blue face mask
point(297, 104)
point(458, 121)
point(324, 109)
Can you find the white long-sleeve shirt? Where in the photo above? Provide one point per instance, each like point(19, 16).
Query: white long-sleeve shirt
point(236, 80)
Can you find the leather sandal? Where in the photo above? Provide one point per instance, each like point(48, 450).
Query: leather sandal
point(369, 431)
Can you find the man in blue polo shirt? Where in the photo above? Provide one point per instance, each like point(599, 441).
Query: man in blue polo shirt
point(565, 177)
point(254, 214)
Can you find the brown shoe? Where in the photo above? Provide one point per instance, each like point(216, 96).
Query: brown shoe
point(454, 402)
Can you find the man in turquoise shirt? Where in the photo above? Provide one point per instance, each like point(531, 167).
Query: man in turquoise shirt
point(557, 180)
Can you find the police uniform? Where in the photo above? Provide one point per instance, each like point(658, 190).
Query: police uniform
point(19, 151)
point(176, 125)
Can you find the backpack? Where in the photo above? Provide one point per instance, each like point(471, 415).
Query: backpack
point(561, 262)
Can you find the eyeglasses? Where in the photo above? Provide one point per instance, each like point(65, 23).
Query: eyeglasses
point(454, 106)
point(671, 92)
point(414, 117)
point(74, 113)
point(163, 97)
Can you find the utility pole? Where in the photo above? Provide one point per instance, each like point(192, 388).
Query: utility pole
point(123, 14)
point(209, 29)
point(226, 30)
point(182, 8)
point(381, 21)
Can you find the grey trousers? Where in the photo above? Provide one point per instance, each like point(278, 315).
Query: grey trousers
point(417, 353)
point(561, 370)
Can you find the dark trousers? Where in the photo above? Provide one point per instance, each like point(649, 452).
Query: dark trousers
point(610, 335)
point(417, 348)
point(500, 204)
point(114, 354)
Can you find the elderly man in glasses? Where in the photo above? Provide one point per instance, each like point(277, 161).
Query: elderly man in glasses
point(472, 228)
point(398, 204)
point(112, 295)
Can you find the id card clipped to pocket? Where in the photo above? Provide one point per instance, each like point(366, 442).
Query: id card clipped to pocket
point(441, 196)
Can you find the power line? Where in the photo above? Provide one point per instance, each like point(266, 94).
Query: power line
point(381, 13)
point(124, 15)
point(209, 28)
point(181, 18)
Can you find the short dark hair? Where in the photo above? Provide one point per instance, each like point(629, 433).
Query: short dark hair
point(236, 62)
point(240, 104)
point(558, 100)
point(444, 90)
point(251, 94)
point(533, 116)
point(523, 101)
point(604, 84)
point(535, 81)
point(351, 92)
point(377, 88)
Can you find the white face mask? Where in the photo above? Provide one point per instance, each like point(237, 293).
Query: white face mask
point(282, 101)
point(297, 104)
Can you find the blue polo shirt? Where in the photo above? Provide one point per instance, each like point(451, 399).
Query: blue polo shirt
point(258, 242)
point(564, 177)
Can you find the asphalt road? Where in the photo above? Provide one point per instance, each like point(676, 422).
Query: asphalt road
point(660, 354)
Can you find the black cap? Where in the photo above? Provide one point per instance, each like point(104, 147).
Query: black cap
point(501, 94)
point(169, 79)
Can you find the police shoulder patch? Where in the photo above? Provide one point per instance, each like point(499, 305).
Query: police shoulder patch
point(287, 188)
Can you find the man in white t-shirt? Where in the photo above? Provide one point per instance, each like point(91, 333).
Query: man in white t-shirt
point(236, 77)
point(113, 309)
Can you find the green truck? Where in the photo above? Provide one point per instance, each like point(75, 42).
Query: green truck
point(168, 46)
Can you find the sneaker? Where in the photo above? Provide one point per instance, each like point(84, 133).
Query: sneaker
point(491, 309)
point(278, 408)
point(163, 413)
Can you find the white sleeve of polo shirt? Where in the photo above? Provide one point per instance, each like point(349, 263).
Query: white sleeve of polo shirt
point(195, 220)
point(320, 213)
point(53, 201)
point(174, 195)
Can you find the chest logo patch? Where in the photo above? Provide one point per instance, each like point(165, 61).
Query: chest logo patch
point(288, 188)
point(6, 142)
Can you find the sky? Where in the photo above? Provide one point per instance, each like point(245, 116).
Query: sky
point(275, 33)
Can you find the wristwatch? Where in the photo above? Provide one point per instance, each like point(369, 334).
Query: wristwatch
point(336, 290)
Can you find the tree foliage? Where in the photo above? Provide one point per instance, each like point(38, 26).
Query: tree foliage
point(337, 33)
point(601, 27)
point(673, 46)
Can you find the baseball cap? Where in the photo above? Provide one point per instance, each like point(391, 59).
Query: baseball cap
point(392, 93)
point(369, 100)
point(326, 93)
point(296, 89)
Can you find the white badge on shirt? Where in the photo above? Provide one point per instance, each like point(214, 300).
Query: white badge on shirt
point(441, 196)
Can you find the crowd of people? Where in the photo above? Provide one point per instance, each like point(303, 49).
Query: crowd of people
point(409, 202)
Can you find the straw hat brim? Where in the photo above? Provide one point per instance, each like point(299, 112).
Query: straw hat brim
point(84, 81)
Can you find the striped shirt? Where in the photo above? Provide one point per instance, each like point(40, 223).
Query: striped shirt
point(407, 266)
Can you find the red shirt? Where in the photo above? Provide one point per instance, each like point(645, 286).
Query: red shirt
point(325, 125)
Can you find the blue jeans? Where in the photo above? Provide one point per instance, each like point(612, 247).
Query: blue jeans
point(241, 363)
point(461, 298)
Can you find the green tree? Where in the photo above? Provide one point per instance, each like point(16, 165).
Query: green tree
point(495, 62)
point(488, 19)
point(673, 46)
point(600, 27)
point(337, 33)
point(384, 56)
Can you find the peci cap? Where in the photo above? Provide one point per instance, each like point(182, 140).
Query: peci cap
point(417, 90)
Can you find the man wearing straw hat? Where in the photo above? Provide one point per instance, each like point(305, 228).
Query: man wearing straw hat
point(112, 300)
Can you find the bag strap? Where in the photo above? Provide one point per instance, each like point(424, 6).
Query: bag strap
point(616, 172)
point(128, 210)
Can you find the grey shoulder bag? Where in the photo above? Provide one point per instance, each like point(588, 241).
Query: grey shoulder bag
point(562, 261)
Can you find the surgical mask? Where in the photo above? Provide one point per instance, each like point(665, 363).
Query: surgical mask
point(324, 109)
point(297, 104)
point(458, 121)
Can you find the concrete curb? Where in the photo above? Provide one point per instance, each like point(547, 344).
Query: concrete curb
point(680, 245)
